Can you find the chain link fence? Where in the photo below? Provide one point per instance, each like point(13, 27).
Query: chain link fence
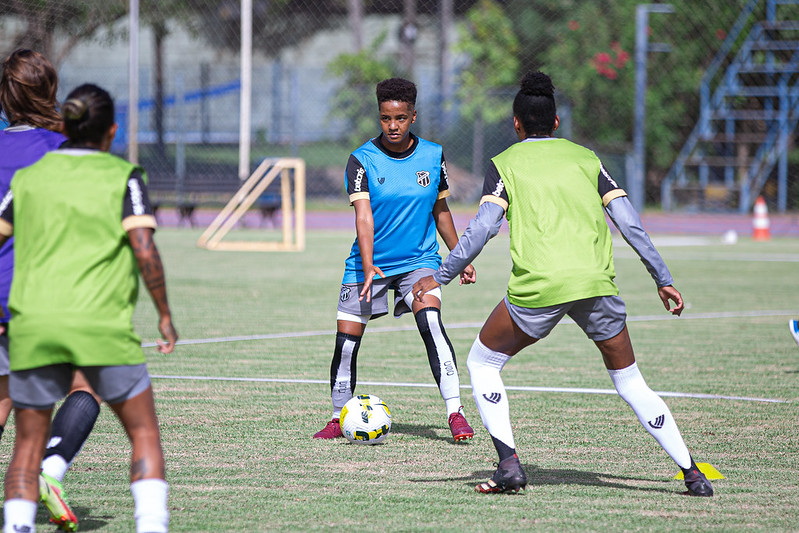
point(315, 65)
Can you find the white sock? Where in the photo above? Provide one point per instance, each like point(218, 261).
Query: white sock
point(20, 515)
point(489, 392)
point(652, 412)
point(453, 405)
point(55, 466)
point(149, 498)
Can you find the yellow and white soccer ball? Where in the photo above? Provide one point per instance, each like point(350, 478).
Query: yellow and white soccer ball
point(365, 419)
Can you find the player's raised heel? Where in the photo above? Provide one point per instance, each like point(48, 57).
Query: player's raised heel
point(509, 477)
point(51, 494)
point(696, 482)
point(331, 431)
point(461, 430)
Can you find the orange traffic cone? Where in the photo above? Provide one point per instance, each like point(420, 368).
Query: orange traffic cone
point(760, 222)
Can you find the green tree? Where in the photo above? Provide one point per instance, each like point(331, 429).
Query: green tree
point(488, 41)
point(74, 20)
point(355, 101)
point(587, 47)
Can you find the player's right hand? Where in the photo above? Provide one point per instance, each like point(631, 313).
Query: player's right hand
point(369, 275)
point(170, 336)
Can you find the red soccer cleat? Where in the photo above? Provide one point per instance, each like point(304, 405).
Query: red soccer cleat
point(331, 431)
point(461, 430)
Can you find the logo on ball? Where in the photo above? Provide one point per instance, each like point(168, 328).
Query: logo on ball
point(365, 419)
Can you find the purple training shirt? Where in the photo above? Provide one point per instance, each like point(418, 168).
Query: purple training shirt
point(20, 146)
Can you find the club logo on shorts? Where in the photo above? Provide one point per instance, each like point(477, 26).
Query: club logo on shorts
point(658, 422)
point(345, 293)
point(423, 178)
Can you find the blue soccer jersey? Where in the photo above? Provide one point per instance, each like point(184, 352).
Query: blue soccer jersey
point(402, 189)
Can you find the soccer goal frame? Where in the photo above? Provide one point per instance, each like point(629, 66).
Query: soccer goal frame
point(292, 212)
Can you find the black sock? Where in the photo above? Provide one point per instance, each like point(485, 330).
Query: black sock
point(503, 449)
point(1, 432)
point(343, 375)
point(72, 424)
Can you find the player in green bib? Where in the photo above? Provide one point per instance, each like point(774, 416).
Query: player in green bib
point(83, 231)
point(555, 195)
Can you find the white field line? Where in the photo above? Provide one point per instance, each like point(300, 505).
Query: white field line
point(466, 325)
point(431, 385)
point(477, 325)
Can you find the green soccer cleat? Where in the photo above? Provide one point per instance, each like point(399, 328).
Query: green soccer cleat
point(51, 494)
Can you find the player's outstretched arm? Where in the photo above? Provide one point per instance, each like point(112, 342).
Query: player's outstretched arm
point(152, 272)
point(626, 219)
point(670, 293)
point(446, 228)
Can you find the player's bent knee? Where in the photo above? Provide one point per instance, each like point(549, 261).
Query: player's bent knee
point(348, 317)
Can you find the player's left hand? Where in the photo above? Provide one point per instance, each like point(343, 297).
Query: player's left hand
point(423, 286)
point(469, 275)
point(670, 293)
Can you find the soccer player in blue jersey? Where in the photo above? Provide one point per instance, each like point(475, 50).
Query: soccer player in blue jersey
point(555, 195)
point(397, 183)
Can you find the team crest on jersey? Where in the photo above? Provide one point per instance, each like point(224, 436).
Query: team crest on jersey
point(423, 178)
point(345, 293)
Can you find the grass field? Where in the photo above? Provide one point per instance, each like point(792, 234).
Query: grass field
point(240, 457)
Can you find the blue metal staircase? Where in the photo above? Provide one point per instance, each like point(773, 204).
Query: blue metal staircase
point(749, 110)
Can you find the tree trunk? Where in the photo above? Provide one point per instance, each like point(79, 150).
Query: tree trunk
point(446, 17)
point(478, 141)
point(159, 34)
point(408, 32)
point(356, 23)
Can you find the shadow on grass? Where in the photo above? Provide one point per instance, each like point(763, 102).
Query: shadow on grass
point(425, 431)
point(87, 520)
point(537, 477)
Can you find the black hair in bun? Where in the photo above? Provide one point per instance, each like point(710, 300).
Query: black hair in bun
point(537, 84)
point(88, 115)
point(534, 104)
point(74, 109)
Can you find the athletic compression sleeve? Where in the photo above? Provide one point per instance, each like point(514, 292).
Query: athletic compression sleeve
point(626, 219)
point(482, 228)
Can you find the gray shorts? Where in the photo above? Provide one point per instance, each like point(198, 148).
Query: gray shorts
point(601, 318)
point(401, 284)
point(4, 364)
point(40, 388)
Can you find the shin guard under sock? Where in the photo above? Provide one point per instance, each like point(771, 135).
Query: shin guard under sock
point(72, 424)
point(343, 370)
point(652, 412)
point(489, 393)
point(441, 356)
